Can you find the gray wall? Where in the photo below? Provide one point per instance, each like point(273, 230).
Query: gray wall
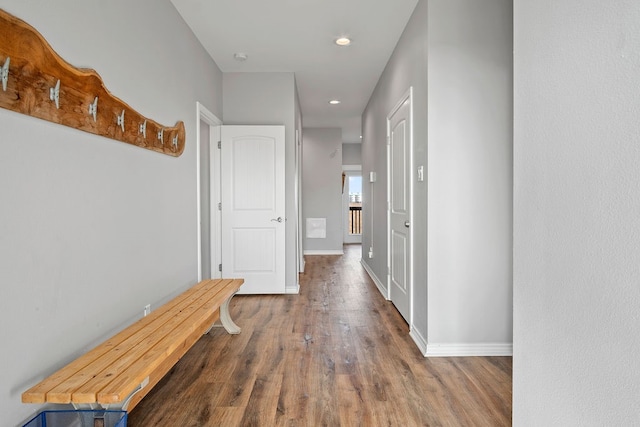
point(462, 212)
point(351, 154)
point(407, 67)
point(92, 229)
point(470, 171)
point(322, 186)
point(269, 99)
point(576, 213)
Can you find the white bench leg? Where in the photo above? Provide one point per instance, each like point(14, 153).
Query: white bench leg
point(225, 318)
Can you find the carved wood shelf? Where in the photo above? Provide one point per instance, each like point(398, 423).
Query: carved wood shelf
point(36, 81)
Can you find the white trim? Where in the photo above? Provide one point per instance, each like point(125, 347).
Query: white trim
point(468, 349)
point(298, 210)
point(292, 289)
point(202, 114)
point(352, 168)
point(324, 252)
point(420, 341)
point(379, 284)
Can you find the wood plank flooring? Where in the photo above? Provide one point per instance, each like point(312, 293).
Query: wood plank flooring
point(338, 354)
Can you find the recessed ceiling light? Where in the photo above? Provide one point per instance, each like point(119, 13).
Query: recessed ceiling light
point(240, 57)
point(334, 102)
point(343, 41)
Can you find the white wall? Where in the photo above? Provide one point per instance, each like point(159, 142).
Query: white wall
point(92, 229)
point(576, 213)
point(269, 99)
point(322, 187)
point(462, 135)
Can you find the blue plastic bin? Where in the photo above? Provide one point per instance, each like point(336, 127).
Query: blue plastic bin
point(71, 418)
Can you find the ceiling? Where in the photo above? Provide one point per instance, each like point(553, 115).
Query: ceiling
point(298, 36)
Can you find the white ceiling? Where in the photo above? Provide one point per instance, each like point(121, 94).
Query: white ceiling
point(298, 36)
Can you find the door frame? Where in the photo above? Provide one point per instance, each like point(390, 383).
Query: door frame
point(300, 263)
point(204, 115)
point(408, 95)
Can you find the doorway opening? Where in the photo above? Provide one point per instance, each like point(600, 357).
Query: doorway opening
point(352, 206)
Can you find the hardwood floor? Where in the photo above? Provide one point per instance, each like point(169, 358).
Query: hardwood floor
point(338, 354)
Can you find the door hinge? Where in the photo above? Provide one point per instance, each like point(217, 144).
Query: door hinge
point(220, 206)
point(220, 268)
point(388, 140)
point(219, 145)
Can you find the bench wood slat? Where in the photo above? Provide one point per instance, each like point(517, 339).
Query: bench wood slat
point(126, 352)
point(38, 393)
point(63, 392)
point(167, 364)
point(59, 387)
point(165, 334)
point(125, 374)
point(150, 362)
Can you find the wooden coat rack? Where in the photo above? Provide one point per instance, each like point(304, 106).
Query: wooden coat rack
point(36, 81)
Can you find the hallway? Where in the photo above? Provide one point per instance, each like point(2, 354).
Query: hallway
point(338, 354)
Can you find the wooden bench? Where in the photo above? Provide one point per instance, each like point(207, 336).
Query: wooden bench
point(119, 372)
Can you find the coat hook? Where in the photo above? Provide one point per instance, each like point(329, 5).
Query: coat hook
point(161, 135)
point(54, 94)
point(93, 109)
point(5, 73)
point(175, 142)
point(143, 129)
point(121, 121)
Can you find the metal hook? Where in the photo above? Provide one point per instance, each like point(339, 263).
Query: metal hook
point(121, 121)
point(143, 129)
point(161, 135)
point(175, 142)
point(5, 73)
point(93, 109)
point(54, 94)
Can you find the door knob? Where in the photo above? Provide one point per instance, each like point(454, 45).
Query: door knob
point(279, 219)
point(407, 224)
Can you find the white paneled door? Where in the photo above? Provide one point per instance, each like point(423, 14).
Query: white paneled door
point(399, 133)
point(253, 207)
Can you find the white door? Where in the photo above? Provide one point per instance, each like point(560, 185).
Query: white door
point(399, 133)
point(253, 207)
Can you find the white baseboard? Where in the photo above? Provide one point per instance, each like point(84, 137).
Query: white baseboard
point(466, 350)
point(324, 252)
point(381, 286)
point(420, 341)
point(293, 289)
